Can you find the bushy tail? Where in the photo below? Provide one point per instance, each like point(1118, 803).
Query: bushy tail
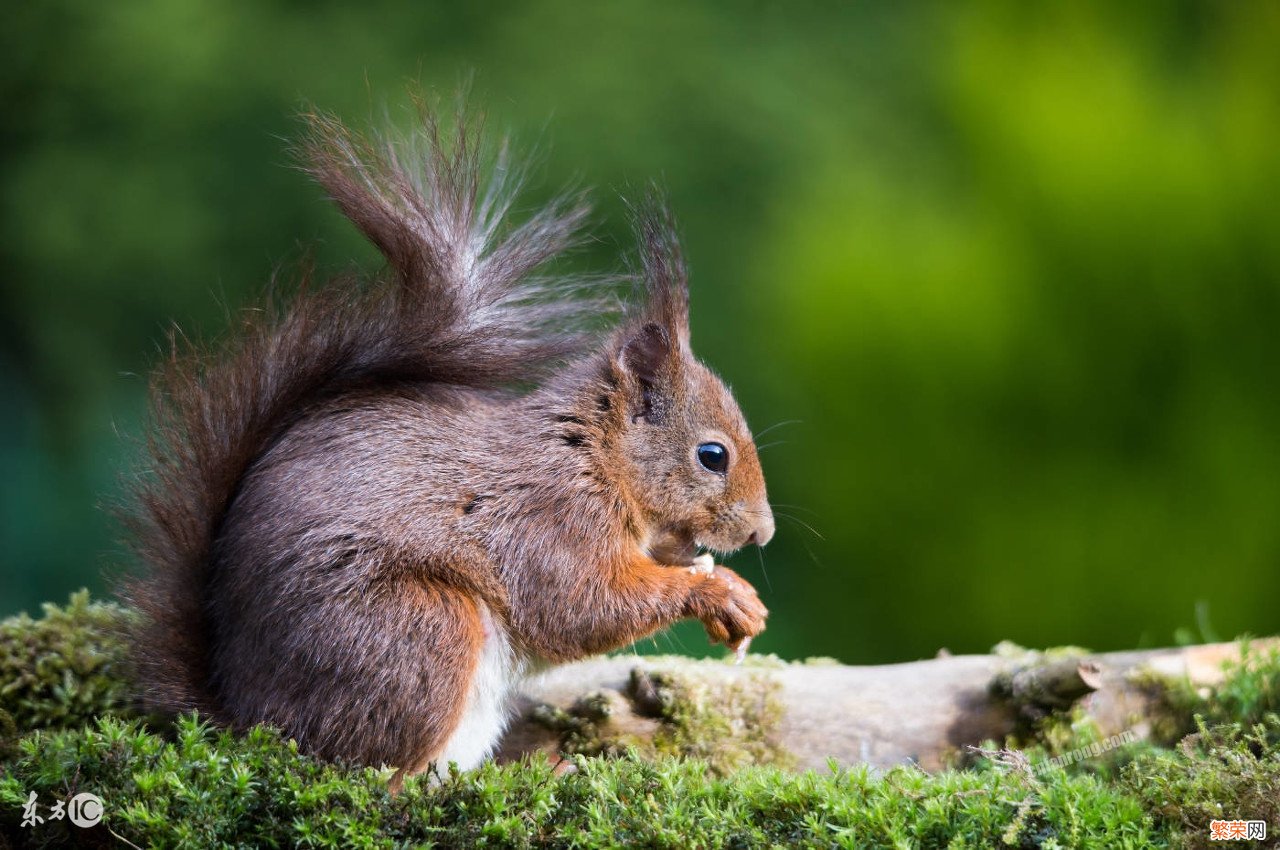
point(462, 303)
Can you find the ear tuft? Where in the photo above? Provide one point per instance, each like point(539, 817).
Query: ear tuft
point(662, 267)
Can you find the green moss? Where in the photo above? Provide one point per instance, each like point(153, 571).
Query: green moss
point(584, 727)
point(1038, 683)
point(1043, 690)
point(1214, 752)
point(63, 669)
point(1249, 693)
point(1063, 732)
point(213, 789)
point(1227, 772)
point(1170, 704)
point(1007, 649)
point(727, 723)
point(706, 774)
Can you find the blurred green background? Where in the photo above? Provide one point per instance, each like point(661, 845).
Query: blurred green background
point(1015, 271)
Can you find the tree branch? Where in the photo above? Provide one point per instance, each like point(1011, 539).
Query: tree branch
point(808, 713)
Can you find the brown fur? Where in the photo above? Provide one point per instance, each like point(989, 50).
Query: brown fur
point(337, 493)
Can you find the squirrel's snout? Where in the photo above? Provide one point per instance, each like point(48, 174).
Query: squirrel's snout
point(763, 531)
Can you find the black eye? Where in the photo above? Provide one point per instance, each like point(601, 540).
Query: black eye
point(713, 456)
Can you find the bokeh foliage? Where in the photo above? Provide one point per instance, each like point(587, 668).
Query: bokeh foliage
point(1016, 270)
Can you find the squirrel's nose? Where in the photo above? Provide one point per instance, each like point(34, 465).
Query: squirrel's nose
point(763, 531)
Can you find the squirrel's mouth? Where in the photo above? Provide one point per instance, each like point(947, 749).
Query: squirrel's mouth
point(674, 549)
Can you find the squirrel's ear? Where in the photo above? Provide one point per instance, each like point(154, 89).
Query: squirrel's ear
point(646, 353)
point(646, 356)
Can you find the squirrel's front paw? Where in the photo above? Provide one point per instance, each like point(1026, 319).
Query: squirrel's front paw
point(729, 609)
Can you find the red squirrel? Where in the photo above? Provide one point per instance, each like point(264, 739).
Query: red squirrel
point(382, 503)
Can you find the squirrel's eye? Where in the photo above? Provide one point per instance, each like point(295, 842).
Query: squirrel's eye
point(713, 456)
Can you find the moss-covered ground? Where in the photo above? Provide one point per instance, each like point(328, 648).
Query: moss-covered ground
point(65, 727)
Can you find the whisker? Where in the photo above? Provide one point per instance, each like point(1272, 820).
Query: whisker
point(803, 524)
point(768, 584)
point(774, 443)
point(812, 557)
point(793, 507)
point(776, 425)
point(670, 648)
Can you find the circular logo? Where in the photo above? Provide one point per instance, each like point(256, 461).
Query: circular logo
point(85, 809)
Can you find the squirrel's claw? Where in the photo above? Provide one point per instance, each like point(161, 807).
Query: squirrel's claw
point(730, 610)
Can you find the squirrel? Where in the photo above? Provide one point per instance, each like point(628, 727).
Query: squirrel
point(380, 505)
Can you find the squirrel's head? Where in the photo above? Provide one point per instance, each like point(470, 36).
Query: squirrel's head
point(693, 474)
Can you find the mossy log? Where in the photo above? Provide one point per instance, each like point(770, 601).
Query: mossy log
point(817, 713)
point(66, 669)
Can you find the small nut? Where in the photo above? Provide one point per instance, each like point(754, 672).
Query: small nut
point(703, 564)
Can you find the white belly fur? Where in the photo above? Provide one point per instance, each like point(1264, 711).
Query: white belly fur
point(488, 707)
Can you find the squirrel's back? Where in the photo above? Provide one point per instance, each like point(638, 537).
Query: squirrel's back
point(459, 307)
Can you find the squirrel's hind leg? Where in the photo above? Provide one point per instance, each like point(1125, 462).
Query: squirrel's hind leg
point(462, 706)
point(486, 713)
point(381, 676)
